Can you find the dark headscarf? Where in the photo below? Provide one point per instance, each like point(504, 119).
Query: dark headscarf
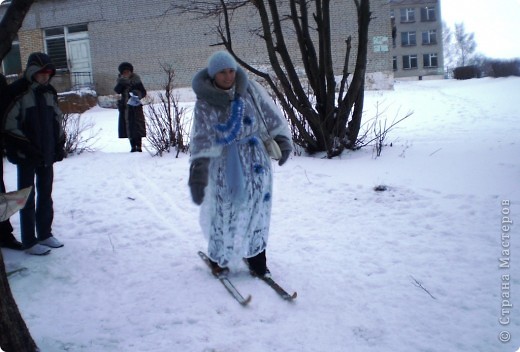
point(125, 66)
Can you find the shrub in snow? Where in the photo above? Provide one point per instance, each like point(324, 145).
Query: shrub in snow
point(166, 124)
point(79, 135)
point(467, 72)
point(505, 68)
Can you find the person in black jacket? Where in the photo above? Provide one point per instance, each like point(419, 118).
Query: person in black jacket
point(7, 239)
point(35, 139)
point(131, 117)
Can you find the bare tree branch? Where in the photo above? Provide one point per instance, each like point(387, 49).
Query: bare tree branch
point(319, 121)
point(11, 23)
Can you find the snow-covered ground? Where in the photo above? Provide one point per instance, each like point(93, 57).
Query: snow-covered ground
point(414, 268)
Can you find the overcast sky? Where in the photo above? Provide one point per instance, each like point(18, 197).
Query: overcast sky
point(494, 23)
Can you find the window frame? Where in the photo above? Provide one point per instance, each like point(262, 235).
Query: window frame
point(428, 58)
point(15, 50)
point(429, 37)
point(62, 33)
point(408, 61)
point(407, 14)
point(411, 39)
point(428, 14)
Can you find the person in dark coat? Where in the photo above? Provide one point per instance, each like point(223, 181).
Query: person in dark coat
point(7, 239)
point(131, 117)
point(35, 140)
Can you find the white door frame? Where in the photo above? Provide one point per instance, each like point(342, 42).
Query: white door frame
point(79, 61)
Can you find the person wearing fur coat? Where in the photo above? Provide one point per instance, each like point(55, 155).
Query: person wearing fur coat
point(230, 171)
point(132, 124)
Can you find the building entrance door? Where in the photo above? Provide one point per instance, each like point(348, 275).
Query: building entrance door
point(79, 62)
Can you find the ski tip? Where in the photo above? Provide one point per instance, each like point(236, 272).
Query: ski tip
point(203, 255)
point(246, 301)
point(15, 271)
point(289, 297)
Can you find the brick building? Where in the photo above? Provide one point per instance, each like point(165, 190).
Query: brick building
point(417, 49)
point(87, 39)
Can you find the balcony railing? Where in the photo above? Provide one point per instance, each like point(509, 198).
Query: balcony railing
point(81, 80)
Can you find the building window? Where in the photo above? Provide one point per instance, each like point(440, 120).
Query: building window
point(394, 64)
point(430, 60)
point(394, 30)
point(409, 62)
point(12, 63)
point(429, 37)
point(55, 47)
point(427, 14)
point(55, 43)
point(408, 39)
point(407, 15)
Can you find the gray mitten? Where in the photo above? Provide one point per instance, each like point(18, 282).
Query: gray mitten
point(285, 146)
point(198, 179)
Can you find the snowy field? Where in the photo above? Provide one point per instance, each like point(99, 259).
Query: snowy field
point(415, 268)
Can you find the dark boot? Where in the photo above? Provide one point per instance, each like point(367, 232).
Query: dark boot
point(9, 241)
point(132, 145)
point(217, 270)
point(258, 265)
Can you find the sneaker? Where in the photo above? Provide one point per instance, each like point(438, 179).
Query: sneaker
point(8, 241)
point(52, 242)
point(38, 249)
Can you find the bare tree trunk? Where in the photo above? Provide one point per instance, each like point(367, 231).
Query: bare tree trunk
point(320, 121)
point(11, 23)
point(14, 335)
point(354, 124)
point(355, 94)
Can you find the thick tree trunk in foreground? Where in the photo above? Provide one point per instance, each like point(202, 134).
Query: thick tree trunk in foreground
point(14, 335)
point(11, 23)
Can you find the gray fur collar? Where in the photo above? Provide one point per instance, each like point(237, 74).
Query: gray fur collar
point(203, 87)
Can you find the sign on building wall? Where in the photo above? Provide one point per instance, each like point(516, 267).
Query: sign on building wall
point(380, 44)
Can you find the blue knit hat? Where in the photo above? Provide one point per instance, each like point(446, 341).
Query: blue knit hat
point(220, 61)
